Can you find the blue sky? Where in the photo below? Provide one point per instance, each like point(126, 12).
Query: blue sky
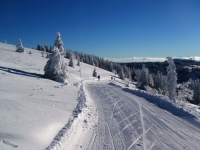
point(106, 28)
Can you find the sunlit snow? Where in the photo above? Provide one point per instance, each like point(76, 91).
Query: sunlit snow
point(38, 113)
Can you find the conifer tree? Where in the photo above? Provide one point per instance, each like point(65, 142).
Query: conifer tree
point(195, 86)
point(71, 60)
point(78, 61)
point(59, 44)
point(94, 72)
point(56, 66)
point(20, 47)
point(121, 74)
point(171, 79)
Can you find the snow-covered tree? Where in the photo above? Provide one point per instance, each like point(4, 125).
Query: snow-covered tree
point(121, 74)
point(171, 79)
point(114, 71)
point(150, 79)
point(44, 51)
point(195, 86)
point(94, 72)
point(78, 61)
point(71, 60)
point(126, 82)
point(20, 47)
point(56, 66)
point(111, 66)
point(50, 49)
point(157, 78)
point(128, 73)
point(59, 44)
point(144, 75)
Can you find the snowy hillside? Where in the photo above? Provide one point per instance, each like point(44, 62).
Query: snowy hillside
point(34, 109)
point(38, 113)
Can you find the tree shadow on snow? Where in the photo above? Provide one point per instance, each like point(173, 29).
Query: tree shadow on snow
point(163, 104)
point(20, 72)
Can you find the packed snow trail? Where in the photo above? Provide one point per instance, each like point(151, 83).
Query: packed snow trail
point(126, 121)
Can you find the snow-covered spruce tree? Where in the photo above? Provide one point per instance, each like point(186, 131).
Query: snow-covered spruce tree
point(150, 79)
point(128, 73)
point(121, 74)
point(114, 71)
point(195, 86)
point(94, 72)
point(44, 51)
point(110, 66)
point(160, 83)
point(78, 61)
point(126, 82)
point(59, 44)
point(145, 75)
point(90, 58)
point(71, 60)
point(20, 47)
point(171, 79)
point(56, 66)
point(142, 77)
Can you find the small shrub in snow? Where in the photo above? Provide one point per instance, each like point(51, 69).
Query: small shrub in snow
point(20, 47)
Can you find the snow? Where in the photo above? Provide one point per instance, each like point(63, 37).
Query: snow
point(132, 119)
point(33, 109)
point(38, 113)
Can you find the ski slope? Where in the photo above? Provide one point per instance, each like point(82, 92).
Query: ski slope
point(33, 110)
point(127, 121)
point(38, 113)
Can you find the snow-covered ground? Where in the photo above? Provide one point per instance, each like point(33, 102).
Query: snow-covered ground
point(128, 119)
point(37, 113)
point(33, 109)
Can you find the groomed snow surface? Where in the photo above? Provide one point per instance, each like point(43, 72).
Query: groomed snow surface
point(38, 113)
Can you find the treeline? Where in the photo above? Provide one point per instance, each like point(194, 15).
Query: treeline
point(155, 67)
point(44, 48)
point(94, 60)
point(122, 70)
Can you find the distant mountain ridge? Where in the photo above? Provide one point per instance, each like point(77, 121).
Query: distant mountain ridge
point(150, 59)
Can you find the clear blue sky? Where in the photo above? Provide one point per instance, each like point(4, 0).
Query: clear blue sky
point(106, 28)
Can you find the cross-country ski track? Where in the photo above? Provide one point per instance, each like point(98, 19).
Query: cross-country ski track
point(126, 121)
